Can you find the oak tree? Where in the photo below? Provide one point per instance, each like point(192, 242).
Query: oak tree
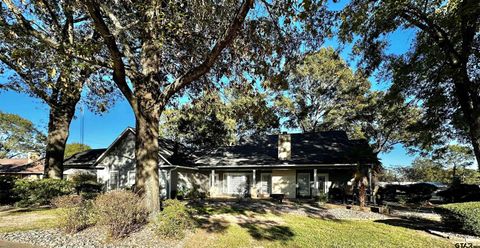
point(439, 73)
point(160, 48)
point(46, 44)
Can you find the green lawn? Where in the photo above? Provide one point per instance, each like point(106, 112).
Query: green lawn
point(27, 219)
point(228, 227)
point(294, 230)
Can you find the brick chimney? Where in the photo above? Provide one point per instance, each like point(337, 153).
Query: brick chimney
point(284, 146)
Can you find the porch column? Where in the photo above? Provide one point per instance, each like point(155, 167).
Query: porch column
point(253, 192)
point(370, 184)
point(212, 183)
point(315, 182)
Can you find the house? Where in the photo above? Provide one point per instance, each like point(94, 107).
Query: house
point(22, 167)
point(82, 162)
point(301, 165)
point(116, 166)
point(33, 167)
point(294, 165)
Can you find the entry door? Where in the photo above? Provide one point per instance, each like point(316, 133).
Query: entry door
point(303, 181)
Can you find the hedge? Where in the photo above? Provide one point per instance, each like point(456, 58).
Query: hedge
point(463, 216)
point(40, 192)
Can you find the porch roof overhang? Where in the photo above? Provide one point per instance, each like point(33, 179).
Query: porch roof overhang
point(280, 166)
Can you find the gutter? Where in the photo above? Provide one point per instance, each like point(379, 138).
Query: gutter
point(275, 165)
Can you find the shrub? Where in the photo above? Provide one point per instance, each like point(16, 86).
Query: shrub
point(40, 192)
point(173, 220)
point(75, 213)
point(461, 193)
point(6, 189)
point(420, 192)
point(464, 216)
point(86, 185)
point(120, 211)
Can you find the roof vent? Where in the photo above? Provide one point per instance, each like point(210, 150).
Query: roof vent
point(284, 146)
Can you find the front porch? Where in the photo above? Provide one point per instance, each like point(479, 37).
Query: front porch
point(293, 183)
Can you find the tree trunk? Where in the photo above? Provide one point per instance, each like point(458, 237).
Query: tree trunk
point(146, 153)
point(469, 105)
point(58, 131)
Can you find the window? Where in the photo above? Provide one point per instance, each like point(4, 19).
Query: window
point(237, 183)
point(114, 179)
point(322, 180)
point(266, 183)
point(131, 178)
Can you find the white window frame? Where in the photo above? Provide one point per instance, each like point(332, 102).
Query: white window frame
point(227, 181)
point(117, 186)
point(309, 185)
point(263, 181)
point(326, 184)
point(130, 182)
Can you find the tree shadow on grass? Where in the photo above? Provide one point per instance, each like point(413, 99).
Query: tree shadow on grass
point(267, 230)
point(416, 223)
point(211, 225)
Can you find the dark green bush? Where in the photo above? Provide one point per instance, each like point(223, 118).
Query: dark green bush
point(173, 220)
point(120, 211)
point(462, 216)
point(6, 189)
point(86, 185)
point(40, 192)
point(461, 193)
point(75, 212)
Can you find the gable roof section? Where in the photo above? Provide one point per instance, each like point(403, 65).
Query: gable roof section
point(112, 145)
point(330, 147)
point(84, 159)
point(171, 152)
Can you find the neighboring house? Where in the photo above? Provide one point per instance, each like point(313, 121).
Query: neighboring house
point(33, 168)
point(295, 165)
point(22, 168)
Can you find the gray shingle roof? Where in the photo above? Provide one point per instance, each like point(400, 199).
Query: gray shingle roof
point(84, 159)
point(330, 147)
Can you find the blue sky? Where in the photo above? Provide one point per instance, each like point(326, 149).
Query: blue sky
point(101, 130)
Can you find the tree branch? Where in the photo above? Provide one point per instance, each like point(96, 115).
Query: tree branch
point(27, 78)
point(119, 74)
point(196, 72)
point(26, 25)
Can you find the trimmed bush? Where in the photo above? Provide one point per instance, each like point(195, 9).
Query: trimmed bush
point(40, 192)
point(461, 193)
point(464, 216)
point(6, 189)
point(120, 211)
point(86, 185)
point(75, 214)
point(173, 220)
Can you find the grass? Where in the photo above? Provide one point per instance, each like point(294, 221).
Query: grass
point(22, 219)
point(293, 230)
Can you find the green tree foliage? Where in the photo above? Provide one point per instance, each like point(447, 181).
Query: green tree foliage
point(325, 94)
point(425, 170)
point(219, 118)
point(450, 164)
point(18, 137)
point(439, 72)
point(160, 48)
point(323, 91)
point(37, 43)
point(73, 148)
